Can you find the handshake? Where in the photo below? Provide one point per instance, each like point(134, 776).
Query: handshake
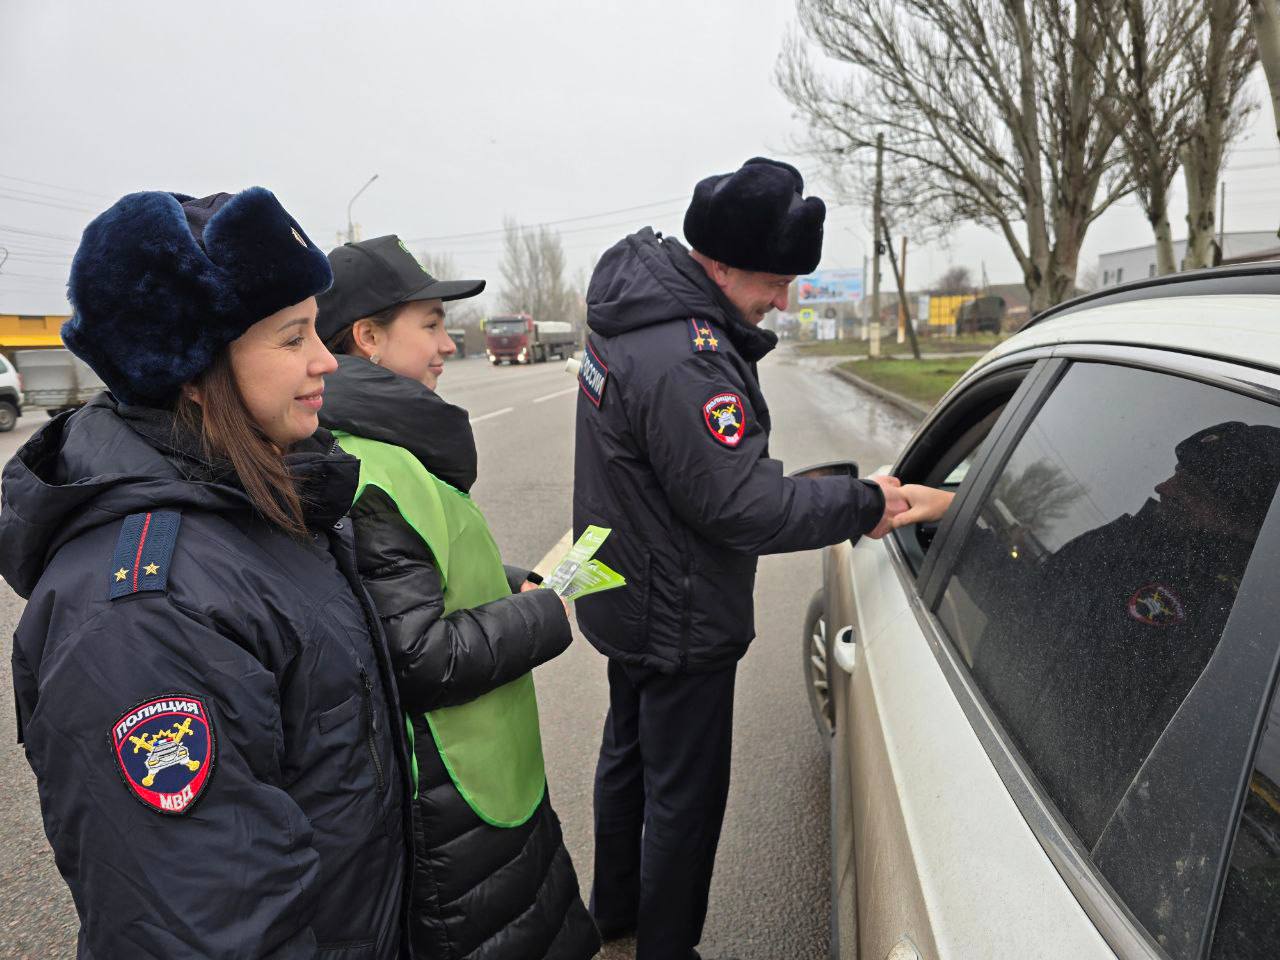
point(909, 503)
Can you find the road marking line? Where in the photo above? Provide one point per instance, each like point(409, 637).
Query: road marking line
point(496, 413)
point(546, 564)
point(558, 393)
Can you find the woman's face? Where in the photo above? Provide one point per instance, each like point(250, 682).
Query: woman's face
point(413, 345)
point(279, 366)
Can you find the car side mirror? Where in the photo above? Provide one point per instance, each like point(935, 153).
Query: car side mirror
point(834, 468)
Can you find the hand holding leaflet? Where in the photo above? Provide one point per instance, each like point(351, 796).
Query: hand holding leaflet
point(577, 574)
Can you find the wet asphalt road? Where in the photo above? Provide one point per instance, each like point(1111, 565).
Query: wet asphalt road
point(770, 897)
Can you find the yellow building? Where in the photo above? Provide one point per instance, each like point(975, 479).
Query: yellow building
point(19, 330)
point(943, 308)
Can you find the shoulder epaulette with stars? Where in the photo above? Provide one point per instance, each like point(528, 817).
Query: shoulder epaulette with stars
point(703, 336)
point(144, 550)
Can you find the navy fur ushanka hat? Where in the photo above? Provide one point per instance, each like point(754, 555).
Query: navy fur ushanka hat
point(161, 282)
point(757, 219)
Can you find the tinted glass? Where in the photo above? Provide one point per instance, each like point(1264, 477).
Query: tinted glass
point(1249, 920)
point(4, 367)
point(1096, 581)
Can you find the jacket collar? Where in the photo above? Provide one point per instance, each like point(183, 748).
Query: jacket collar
point(325, 477)
point(369, 401)
point(751, 342)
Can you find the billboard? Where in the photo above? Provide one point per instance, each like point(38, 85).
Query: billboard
point(830, 286)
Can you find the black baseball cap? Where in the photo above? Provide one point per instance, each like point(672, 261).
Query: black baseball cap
point(373, 275)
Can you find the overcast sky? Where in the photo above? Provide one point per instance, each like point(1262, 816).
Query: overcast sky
point(602, 114)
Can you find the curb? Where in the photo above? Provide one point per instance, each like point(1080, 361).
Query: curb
point(917, 411)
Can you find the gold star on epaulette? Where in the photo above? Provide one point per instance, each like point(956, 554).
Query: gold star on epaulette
point(714, 342)
point(151, 569)
point(698, 342)
point(121, 574)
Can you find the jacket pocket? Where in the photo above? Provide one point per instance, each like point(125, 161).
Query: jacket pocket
point(335, 717)
point(347, 950)
point(620, 618)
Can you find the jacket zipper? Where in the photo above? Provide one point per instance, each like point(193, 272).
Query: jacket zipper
point(367, 683)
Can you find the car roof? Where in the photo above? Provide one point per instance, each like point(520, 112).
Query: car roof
point(1228, 312)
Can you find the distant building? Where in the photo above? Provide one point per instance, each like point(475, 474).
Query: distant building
point(1140, 262)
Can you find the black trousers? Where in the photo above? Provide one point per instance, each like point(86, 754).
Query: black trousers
point(661, 786)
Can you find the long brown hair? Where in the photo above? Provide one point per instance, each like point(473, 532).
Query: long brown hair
point(228, 432)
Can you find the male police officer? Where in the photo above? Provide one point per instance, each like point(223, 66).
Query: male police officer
point(672, 454)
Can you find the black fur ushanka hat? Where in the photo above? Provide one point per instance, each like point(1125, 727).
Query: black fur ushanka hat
point(757, 219)
point(161, 282)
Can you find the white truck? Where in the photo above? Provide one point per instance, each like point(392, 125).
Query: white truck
point(56, 379)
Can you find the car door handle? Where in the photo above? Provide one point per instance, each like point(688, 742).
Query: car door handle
point(844, 648)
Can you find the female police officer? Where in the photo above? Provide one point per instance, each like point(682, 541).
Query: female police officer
point(204, 699)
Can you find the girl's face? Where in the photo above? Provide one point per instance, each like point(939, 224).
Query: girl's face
point(413, 345)
point(279, 366)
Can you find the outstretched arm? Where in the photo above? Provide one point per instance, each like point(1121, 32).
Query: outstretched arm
point(445, 660)
point(925, 504)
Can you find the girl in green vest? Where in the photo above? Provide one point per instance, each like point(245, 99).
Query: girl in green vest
point(492, 878)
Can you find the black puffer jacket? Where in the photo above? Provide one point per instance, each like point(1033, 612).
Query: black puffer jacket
point(480, 892)
point(673, 455)
point(291, 838)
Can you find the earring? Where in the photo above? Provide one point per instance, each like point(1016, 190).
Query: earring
point(375, 359)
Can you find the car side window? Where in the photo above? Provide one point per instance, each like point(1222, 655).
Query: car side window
point(944, 453)
point(1096, 580)
point(4, 368)
point(1249, 918)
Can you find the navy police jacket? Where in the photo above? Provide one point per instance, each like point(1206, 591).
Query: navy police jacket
point(208, 711)
point(672, 454)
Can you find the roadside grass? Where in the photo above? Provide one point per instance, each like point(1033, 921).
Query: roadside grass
point(924, 381)
point(889, 347)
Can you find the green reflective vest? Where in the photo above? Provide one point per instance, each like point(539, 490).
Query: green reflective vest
point(491, 746)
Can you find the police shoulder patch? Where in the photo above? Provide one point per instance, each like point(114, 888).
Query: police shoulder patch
point(726, 418)
point(593, 375)
point(143, 552)
point(703, 336)
point(165, 749)
point(1157, 606)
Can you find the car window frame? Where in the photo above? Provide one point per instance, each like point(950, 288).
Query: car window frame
point(1118, 926)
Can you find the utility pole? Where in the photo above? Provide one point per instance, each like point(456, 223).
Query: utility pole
point(902, 303)
point(862, 305)
point(900, 277)
point(351, 230)
point(1222, 221)
point(876, 216)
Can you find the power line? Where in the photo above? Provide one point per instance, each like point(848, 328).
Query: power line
point(4, 228)
point(549, 223)
point(32, 276)
point(55, 186)
point(45, 203)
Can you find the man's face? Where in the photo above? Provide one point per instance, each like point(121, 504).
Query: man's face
point(754, 294)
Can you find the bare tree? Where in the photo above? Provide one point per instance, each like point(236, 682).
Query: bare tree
point(440, 265)
point(533, 274)
point(957, 279)
point(1087, 279)
point(990, 111)
point(1219, 57)
point(1266, 28)
point(1149, 88)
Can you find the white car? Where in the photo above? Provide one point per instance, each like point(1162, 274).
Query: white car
point(1053, 719)
point(10, 395)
